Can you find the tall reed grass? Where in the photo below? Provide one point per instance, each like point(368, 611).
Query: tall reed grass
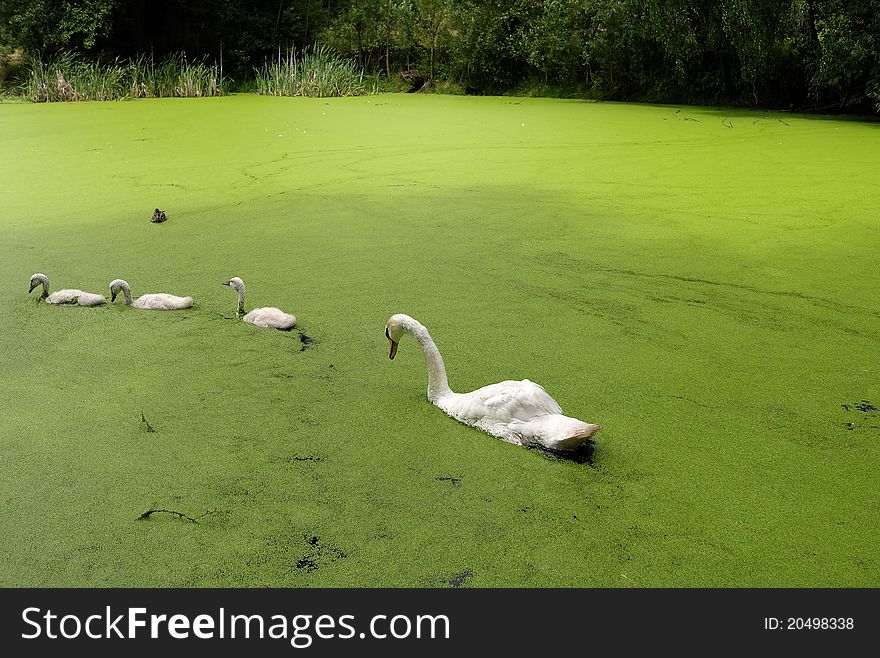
point(174, 76)
point(69, 77)
point(317, 72)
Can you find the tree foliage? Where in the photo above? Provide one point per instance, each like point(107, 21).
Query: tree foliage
point(784, 53)
point(46, 25)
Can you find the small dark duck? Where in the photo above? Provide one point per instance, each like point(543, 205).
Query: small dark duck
point(158, 216)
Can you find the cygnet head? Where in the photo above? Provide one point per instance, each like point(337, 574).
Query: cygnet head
point(37, 280)
point(235, 283)
point(117, 286)
point(394, 330)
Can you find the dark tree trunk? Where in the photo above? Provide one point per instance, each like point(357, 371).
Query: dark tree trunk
point(308, 12)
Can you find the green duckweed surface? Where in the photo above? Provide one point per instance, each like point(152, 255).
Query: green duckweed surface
point(702, 282)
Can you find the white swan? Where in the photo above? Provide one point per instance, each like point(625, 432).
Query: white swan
point(261, 317)
point(153, 302)
point(516, 412)
point(70, 296)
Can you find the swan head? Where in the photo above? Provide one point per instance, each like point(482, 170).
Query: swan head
point(37, 280)
point(394, 329)
point(235, 283)
point(117, 286)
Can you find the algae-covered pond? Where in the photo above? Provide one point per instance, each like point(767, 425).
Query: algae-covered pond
point(702, 282)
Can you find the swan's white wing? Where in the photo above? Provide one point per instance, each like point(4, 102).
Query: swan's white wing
point(73, 296)
point(91, 299)
point(162, 302)
point(518, 412)
point(271, 317)
point(519, 400)
point(503, 402)
point(64, 297)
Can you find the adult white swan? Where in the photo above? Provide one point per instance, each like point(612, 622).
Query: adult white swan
point(69, 296)
point(159, 301)
point(267, 316)
point(516, 412)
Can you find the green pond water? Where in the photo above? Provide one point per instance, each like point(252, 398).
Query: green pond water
point(701, 282)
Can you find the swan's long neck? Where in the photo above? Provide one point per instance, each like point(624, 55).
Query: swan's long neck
point(438, 385)
point(241, 300)
point(127, 292)
point(45, 283)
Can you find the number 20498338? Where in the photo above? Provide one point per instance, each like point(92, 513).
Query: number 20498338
point(809, 623)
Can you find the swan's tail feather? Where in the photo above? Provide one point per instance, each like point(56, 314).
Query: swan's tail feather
point(558, 432)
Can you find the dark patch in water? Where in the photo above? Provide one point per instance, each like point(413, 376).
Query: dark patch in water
point(455, 482)
point(307, 564)
point(318, 555)
point(307, 341)
point(460, 579)
point(681, 397)
point(180, 515)
point(583, 454)
point(307, 458)
point(853, 426)
point(145, 422)
point(865, 408)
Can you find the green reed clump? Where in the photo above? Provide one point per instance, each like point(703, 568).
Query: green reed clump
point(317, 72)
point(66, 77)
point(69, 77)
point(174, 76)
